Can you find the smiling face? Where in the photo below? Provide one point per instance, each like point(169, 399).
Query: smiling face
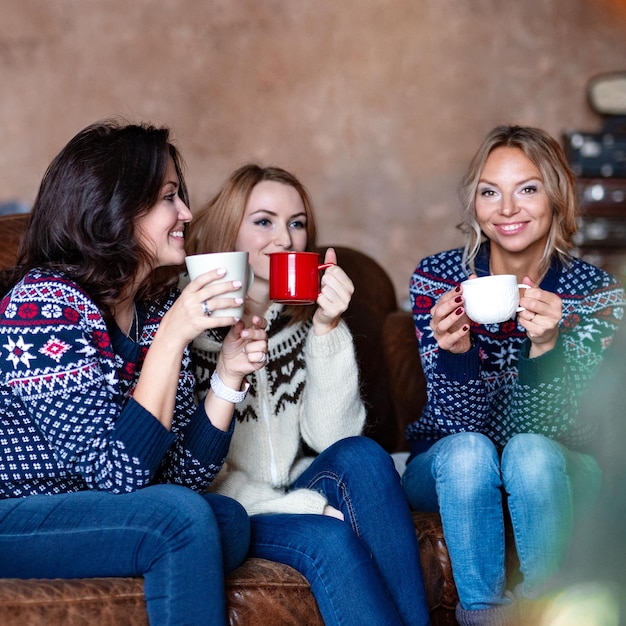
point(161, 229)
point(274, 221)
point(512, 206)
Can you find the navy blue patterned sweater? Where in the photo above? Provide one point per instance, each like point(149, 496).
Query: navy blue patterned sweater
point(68, 421)
point(495, 388)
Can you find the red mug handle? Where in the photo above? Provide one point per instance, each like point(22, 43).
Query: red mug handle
point(324, 266)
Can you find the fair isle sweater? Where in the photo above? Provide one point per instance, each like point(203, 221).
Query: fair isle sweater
point(495, 388)
point(307, 396)
point(68, 421)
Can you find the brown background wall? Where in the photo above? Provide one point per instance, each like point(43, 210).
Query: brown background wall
point(376, 104)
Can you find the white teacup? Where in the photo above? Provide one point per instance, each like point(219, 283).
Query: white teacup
point(237, 268)
point(492, 299)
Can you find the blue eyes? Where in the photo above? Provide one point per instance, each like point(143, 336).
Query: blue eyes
point(263, 222)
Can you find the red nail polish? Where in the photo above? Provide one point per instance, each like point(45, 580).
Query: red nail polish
point(465, 328)
point(459, 299)
point(459, 310)
point(457, 288)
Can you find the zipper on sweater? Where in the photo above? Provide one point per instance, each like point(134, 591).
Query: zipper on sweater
point(267, 420)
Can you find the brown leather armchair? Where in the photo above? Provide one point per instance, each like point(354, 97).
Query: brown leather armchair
point(262, 592)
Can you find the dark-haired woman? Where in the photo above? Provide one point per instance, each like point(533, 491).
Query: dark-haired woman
point(500, 428)
point(104, 457)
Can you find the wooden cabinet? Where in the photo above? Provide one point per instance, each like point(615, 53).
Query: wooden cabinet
point(601, 238)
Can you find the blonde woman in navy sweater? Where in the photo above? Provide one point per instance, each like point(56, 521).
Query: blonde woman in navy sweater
point(500, 425)
point(97, 388)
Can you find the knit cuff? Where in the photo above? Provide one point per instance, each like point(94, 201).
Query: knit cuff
point(206, 442)
point(144, 437)
point(544, 368)
point(330, 343)
point(460, 368)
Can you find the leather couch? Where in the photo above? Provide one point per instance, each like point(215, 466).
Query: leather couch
point(262, 592)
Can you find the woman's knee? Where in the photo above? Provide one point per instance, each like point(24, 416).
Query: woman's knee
point(176, 513)
point(234, 529)
point(184, 499)
point(531, 459)
point(229, 513)
point(356, 458)
point(467, 454)
point(464, 464)
point(359, 448)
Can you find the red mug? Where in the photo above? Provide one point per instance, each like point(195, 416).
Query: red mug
point(294, 277)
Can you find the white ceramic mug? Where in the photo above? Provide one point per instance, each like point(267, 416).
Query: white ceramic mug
point(492, 299)
point(237, 268)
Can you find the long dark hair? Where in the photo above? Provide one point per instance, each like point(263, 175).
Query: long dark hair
point(83, 219)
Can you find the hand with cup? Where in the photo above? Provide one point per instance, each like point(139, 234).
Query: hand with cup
point(219, 284)
point(492, 299)
point(295, 279)
point(295, 276)
point(335, 295)
point(496, 298)
point(236, 269)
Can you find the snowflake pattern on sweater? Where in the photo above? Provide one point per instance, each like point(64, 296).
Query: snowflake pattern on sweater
point(69, 421)
point(495, 388)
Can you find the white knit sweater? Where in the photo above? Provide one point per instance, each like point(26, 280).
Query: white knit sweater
point(308, 393)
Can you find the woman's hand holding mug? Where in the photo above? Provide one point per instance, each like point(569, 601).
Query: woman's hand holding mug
point(541, 317)
point(495, 299)
point(294, 279)
point(334, 297)
point(449, 322)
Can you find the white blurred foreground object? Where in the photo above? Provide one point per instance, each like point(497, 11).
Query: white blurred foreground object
point(585, 604)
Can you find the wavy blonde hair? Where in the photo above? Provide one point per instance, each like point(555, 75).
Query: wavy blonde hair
point(559, 181)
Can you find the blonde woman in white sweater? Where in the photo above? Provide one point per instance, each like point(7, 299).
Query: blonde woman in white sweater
point(322, 498)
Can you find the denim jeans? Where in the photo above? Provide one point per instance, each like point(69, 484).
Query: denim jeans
point(464, 478)
point(364, 571)
point(181, 542)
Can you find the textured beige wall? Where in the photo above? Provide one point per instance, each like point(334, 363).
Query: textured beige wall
point(376, 104)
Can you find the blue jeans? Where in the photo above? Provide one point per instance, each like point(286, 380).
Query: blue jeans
point(181, 542)
point(464, 478)
point(365, 570)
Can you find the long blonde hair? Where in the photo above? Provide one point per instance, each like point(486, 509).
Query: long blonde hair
point(560, 184)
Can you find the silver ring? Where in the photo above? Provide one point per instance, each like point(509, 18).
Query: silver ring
point(206, 310)
point(263, 358)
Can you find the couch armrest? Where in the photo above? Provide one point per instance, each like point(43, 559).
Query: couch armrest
point(11, 229)
point(406, 377)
